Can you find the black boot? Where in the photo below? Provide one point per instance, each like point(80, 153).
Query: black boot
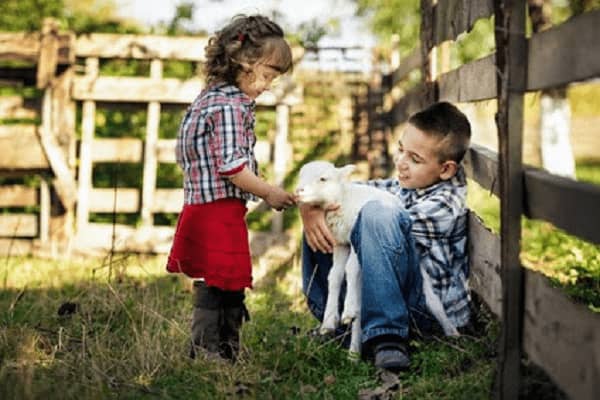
point(206, 320)
point(234, 315)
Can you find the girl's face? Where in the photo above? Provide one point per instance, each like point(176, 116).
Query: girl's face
point(257, 79)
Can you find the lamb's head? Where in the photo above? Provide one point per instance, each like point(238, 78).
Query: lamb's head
point(320, 182)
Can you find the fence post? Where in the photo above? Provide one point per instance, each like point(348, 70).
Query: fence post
point(88, 116)
point(150, 160)
point(281, 156)
point(511, 57)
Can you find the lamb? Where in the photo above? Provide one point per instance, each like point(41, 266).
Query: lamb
point(321, 183)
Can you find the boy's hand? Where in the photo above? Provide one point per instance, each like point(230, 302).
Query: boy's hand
point(318, 235)
point(279, 199)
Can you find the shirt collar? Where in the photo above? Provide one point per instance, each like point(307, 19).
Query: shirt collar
point(232, 90)
point(458, 180)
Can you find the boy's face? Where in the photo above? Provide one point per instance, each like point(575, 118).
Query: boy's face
point(417, 161)
point(257, 79)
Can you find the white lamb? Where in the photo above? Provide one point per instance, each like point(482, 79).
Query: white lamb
point(321, 183)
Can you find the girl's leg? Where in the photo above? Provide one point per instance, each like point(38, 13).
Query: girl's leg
point(234, 315)
point(206, 319)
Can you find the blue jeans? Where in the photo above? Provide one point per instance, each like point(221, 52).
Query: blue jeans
point(392, 291)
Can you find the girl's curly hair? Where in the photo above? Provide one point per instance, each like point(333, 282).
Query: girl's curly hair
point(243, 42)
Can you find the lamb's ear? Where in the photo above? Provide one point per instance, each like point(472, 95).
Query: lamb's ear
point(346, 170)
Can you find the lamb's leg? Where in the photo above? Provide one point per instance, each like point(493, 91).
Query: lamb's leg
point(436, 307)
point(353, 289)
point(356, 338)
point(334, 279)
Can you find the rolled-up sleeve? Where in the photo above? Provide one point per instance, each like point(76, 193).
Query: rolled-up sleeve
point(227, 139)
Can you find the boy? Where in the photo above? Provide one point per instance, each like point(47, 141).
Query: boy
point(394, 244)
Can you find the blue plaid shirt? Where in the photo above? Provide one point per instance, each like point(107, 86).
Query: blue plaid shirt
point(216, 140)
point(439, 227)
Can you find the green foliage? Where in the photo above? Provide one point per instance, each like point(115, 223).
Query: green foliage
point(388, 17)
point(27, 15)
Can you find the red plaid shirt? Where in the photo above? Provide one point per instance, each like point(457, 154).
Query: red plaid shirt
point(216, 140)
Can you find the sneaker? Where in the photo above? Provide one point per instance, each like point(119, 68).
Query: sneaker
point(391, 356)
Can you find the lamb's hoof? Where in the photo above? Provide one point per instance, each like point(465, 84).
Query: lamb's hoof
point(354, 355)
point(348, 319)
point(324, 330)
point(329, 324)
point(451, 331)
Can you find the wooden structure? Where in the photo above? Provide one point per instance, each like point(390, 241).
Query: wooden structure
point(561, 337)
point(66, 195)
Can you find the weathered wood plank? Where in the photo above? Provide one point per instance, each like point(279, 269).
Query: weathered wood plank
point(25, 46)
point(136, 89)
point(150, 159)
point(98, 237)
point(21, 137)
point(576, 41)
point(410, 62)
point(48, 54)
point(17, 196)
point(103, 200)
point(167, 200)
point(474, 81)
point(484, 262)
point(481, 165)
point(453, 17)
point(64, 181)
point(18, 225)
point(88, 117)
point(511, 56)
point(16, 107)
point(562, 337)
point(548, 197)
point(19, 46)
point(108, 45)
point(165, 150)
point(117, 150)
point(415, 100)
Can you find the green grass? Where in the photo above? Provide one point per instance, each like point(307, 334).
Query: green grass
point(128, 340)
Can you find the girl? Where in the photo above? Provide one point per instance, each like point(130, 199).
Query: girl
point(215, 151)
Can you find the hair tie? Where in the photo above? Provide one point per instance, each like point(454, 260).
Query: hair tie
point(241, 37)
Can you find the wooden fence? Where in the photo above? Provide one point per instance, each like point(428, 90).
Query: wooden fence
point(64, 199)
point(561, 337)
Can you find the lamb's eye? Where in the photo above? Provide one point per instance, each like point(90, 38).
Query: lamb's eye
point(323, 179)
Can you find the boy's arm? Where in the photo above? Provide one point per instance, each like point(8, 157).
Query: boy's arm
point(318, 236)
point(272, 195)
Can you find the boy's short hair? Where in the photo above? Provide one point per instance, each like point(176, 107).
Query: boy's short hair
point(446, 121)
point(247, 39)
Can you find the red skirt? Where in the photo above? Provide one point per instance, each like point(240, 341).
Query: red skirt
point(211, 242)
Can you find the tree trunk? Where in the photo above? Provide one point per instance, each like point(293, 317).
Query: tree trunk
point(555, 111)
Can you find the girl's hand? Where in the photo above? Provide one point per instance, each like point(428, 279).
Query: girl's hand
point(318, 236)
point(279, 199)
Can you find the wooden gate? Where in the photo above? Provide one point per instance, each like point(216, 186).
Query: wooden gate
point(66, 194)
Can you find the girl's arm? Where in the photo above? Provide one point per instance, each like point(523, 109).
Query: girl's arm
point(274, 196)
